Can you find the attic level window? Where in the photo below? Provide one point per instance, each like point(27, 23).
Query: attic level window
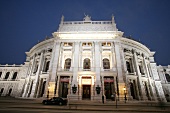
point(49, 50)
point(87, 44)
point(106, 44)
point(68, 44)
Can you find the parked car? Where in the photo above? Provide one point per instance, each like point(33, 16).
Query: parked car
point(55, 101)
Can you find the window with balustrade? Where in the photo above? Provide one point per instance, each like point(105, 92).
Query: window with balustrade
point(129, 65)
point(106, 63)
point(67, 64)
point(86, 63)
point(141, 68)
point(47, 66)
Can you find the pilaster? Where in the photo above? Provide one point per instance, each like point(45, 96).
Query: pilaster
point(140, 85)
point(97, 70)
point(75, 70)
point(121, 83)
point(53, 70)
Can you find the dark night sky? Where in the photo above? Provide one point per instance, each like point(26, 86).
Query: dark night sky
point(25, 22)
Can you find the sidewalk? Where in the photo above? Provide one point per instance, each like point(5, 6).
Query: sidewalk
point(84, 105)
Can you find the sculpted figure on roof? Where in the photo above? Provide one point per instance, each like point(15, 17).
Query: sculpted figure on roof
point(87, 18)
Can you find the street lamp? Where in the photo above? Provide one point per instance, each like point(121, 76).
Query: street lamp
point(125, 93)
point(48, 92)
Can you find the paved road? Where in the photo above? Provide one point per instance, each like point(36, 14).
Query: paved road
point(11, 105)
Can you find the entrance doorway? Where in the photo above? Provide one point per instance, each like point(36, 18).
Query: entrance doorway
point(86, 91)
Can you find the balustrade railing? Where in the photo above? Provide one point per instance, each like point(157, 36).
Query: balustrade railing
point(85, 22)
point(90, 69)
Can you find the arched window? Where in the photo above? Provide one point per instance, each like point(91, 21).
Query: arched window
point(1, 91)
point(86, 64)
point(10, 91)
point(129, 66)
point(141, 69)
point(14, 76)
point(167, 77)
point(47, 66)
point(7, 75)
point(67, 64)
point(36, 67)
point(106, 63)
point(0, 74)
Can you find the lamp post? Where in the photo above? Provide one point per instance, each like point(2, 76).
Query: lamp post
point(125, 93)
point(48, 92)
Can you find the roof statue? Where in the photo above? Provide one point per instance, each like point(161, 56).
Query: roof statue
point(87, 18)
point(62, 19)
point(113, 20)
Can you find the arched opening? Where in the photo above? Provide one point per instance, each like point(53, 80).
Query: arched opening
point(129, 66)
point(141, 68)
point(63, 86)
point(167, 77)
point(43, 88)
point(30, 89)
point(167, 97)
point(106, 63)
point(1, 91)
point(0, 74)
point(86, 64)
point(146, 91)
point(14, 76)
point(9, 93)
point(109, 88)
point(7, 75)
point(47, 66)
point(67, 64)
point(35, 68)
point(132, 91)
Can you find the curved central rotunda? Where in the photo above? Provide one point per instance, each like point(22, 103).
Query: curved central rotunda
point(90, 60)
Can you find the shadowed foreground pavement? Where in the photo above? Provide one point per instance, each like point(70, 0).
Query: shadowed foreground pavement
point(14, 105)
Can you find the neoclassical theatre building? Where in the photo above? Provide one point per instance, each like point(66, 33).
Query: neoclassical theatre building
point(87, 60)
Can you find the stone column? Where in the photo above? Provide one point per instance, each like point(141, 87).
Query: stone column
point(150, 88)
point(97, 70)
point(139, 80)
point(121, 83)
point(53, 70)
point(36, 82)
point(58, 88)
point(113, 59)
point(61, 60)
point(92, 87)
point(69, 91)
point(80, 88)
point(75, 70)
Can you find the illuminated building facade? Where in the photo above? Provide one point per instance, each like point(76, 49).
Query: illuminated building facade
point(85, 60)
